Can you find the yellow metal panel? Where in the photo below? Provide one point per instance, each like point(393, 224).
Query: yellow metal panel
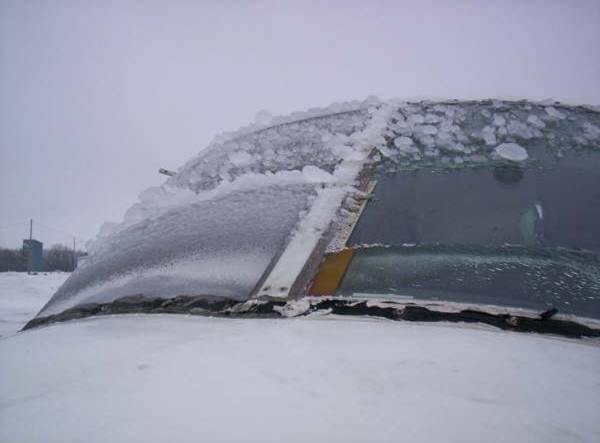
point(331, 272)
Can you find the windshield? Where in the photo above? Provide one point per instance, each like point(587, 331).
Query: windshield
point(490, 203)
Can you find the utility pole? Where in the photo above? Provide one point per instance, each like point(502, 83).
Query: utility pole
point(30, 228)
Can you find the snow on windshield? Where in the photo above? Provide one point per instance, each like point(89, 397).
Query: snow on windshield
point(216, 226)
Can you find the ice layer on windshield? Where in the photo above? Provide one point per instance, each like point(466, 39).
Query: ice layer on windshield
point(218, 248)
point(220, 221)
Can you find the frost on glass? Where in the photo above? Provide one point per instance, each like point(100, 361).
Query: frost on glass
point(530, 278)
point(509, 235)
point(217, 247)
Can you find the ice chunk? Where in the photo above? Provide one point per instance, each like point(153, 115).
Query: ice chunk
point(402, 141)
point(520, 129)
point(410, 150)
point(499, 120)
point(426, 140)
point(512, 151)
point(432, 118)
point(427, 129)
point(416, 119)
point(489, 136)
point(591, 131)
point(536, 121)
point(555, 113)
point(405, 145)
point(459, 147)
point(444, 137)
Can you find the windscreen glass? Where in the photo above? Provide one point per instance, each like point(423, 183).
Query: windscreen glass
point(219, 247)
point(507, 234)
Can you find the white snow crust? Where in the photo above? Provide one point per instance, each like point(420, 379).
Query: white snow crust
point(157, 378)
point(512, 151)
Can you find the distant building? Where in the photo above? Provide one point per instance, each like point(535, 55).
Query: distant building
point(35, 255)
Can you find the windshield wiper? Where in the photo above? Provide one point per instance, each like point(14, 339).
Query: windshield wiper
point(544, 323)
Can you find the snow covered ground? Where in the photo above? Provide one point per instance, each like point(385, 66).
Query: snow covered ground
point(23, 295)
point(158, 378)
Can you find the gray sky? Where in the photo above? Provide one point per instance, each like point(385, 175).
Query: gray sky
point(95, 96)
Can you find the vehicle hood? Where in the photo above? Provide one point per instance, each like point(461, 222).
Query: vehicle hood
point(317, 378)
